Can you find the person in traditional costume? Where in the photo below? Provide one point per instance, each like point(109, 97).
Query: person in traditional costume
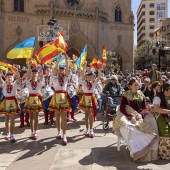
point(22, 103)
point(48, 98)
point(136, 126)
point(9, 105)
point(60, 102)
point(33, 103)
point(161, 105)
point(88, 102)
point(72, 86)
point(79, 88)
point(97, 92)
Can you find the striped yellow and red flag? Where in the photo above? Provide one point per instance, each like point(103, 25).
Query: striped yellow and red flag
point(12, 68)
point(98, 63)
point(34, 62)
point(94, 62)
point(47, 52)
point(104, 56)
point(61, 44)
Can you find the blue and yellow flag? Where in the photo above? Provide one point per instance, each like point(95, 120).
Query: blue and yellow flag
point(80, 61)
point(23, 50)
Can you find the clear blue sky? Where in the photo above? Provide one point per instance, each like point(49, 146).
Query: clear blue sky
point(135, 5)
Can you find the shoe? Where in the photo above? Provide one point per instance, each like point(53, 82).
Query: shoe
point(12, 139)
point(74, 119)
point(7, 137)
point(32, 135)
point(91, 134)
point(35, 136)
point(64, 141)
point(22, 122)
point(87, 134)
point(46, 118)
point(51, 118)
point(95, 119)
point(52, 122)
point(59, 136)
point(27, 119)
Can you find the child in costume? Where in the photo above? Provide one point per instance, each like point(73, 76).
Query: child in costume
point(46, 102)
point(33, 103)
point(73, 85)
point(22, 86)
point(9, 105)
point(60, 102)
point(88, 102)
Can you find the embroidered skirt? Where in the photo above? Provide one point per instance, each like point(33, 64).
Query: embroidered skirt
point(33, 103)
point(60, 102)
point(9, 106)
point(80, 92)
point(88, 102)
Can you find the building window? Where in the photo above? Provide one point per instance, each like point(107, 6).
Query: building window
point(161, 14)
point(19, 5)
point(151, 27)
point(152, 5)
point(151, 20)
point(163, 28)
point(151, 13)
point(151, 35)
point(118, 14)
point(161, 6)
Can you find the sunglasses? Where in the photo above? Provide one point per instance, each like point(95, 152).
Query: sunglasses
point(113, 79)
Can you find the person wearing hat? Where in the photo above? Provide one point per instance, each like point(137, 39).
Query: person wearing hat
point(9, 105)
point(73, 85)
point(88, 102)
point(60, 102)
point(47, 77)
point(33, 103)
point(113, 87)
point(23, 76)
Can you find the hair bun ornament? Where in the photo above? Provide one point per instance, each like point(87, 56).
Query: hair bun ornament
point(62, 67)
point(34, 70)
point(9, 74)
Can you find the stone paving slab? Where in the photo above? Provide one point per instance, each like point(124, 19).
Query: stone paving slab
point(48, 153)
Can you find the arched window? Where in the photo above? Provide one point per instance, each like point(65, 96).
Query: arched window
point(118, 14)
point(19, 5)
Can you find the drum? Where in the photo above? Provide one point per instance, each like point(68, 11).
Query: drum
point(22, 95)
point(71, 91)
point(164, 147)
point(46, 93)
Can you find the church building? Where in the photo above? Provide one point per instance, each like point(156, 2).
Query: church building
point(91, 22)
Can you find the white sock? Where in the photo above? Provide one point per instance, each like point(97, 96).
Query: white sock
point(91, 130)
point(64, 135)
point(59, 132)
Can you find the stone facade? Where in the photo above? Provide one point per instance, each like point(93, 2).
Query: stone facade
point(91, 22)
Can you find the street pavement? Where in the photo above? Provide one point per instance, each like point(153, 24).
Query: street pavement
point(48, 153)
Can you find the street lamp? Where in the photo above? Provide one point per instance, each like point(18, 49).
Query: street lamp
point(161, 52)
point(52, 31)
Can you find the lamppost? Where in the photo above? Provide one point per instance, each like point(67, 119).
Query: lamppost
point(52, 31)
point(161, 52)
